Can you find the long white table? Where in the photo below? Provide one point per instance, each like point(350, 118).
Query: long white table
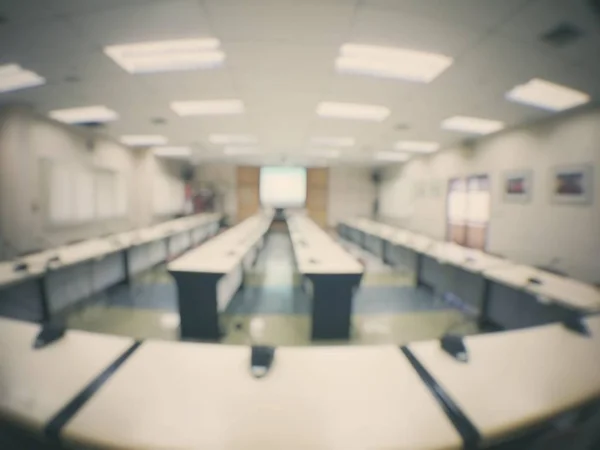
point(503, 293)
point(457, 273)
point(332, 275)
point(514, 380)
point(208, 277)
point(35, 384)
point(521, 296)
point(99, 391)
point(58, 278)
point(186, 395)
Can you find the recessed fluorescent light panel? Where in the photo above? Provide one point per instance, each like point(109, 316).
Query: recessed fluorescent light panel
point(333, 141)
point(235, 150)
point(355, 111)
point(13, 77)
point(231, 139)
point(392, 156)
point(546, 95)
point(208, 107)
point(391, 62)
point(417, 146)
point(87, 114)
point(167, 56)
point(134, 140)
point(173, 152)
point(473, 125)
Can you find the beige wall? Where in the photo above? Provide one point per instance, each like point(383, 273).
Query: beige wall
point(350, 191)
point(223, 180)
point(26, 139)
point(536, 232)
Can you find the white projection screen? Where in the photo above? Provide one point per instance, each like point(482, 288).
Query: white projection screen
point(283, 187)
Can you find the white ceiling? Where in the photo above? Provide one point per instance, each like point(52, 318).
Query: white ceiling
point(280, 62)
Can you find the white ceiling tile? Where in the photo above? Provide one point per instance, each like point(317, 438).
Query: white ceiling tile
point(543, 15)
point(155, 21)
point(370, 90)
point(50, 48)
point(285, 20)
point(477, 15)
point(390, 28)
point(258, 66)
point(280, 62)
point(73, 7)
point(47, 97)
point(194, 85)
point(20, 12)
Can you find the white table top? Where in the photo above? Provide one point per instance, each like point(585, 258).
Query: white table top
point(518, 378)
point(554, 287)
point(223, 253)
point(9, 276)
point(564, 290)
point(36, 384)
point(318, 253)
point(469, 259)
point(99, 247)
point(188, 395)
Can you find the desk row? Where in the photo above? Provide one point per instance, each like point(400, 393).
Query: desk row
point(42, 286)
point(500, 291)
point(208, 277)
point(102, 391)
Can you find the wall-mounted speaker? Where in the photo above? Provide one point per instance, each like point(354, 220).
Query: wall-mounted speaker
point(376, 176)
point(187, 172)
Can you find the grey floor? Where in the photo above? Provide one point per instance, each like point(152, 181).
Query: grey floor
point(272, 309)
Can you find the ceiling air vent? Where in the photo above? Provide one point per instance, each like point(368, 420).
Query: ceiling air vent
point(562, 35)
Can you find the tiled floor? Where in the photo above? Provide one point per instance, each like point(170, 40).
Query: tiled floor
point(272, 309)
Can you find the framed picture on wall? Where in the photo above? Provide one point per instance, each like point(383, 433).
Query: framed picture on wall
point(572, 184)
point(517, 186)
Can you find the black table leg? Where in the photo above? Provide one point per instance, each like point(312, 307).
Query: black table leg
point(197, 298)
point(332, 304)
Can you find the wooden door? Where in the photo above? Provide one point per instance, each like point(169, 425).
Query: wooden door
point(317, 188)
point(248, 199)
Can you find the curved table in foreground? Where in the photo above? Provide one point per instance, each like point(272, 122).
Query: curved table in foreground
point(99, 391)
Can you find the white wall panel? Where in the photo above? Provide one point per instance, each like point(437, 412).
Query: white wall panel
point(537, 232)
point(351, 193)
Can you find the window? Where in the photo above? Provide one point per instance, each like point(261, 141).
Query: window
point(168, 195)
point(468, 206)
point(78, 193)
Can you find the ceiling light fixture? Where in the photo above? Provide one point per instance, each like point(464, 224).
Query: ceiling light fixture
point(333, 141)
point(13, 77)
point(391, 62)
point(208, 107)
point(355, 111)
point(134, 140)
point(172, 152)
point(546, 95)
point(417, 146)
point(473, 125)
point(86, 114)
point(228, 139)
point(167, 56)
point(392, 156)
